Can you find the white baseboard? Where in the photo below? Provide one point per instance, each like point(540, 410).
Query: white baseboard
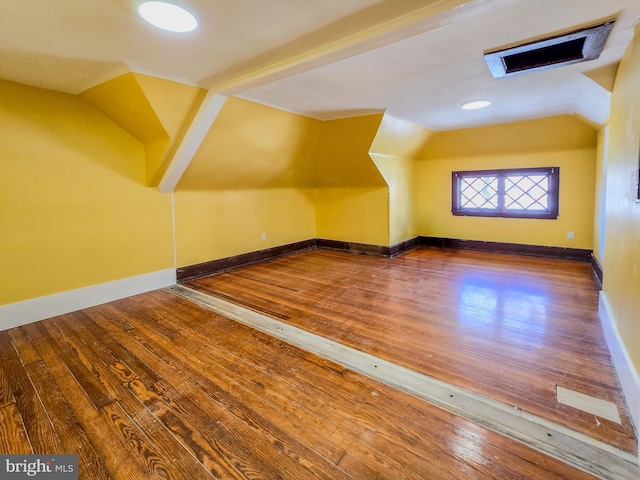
point(627, 374)
point(33, 310)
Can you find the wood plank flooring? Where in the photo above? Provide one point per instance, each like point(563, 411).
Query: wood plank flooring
point(510, 327)
point(154, 386)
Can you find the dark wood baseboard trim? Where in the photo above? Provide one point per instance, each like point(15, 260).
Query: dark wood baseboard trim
point(368, 249)
point(354, 247)
point(192, 272)
point(223, 264)
point(402, 247)
point(596, 269)
point(516, 248)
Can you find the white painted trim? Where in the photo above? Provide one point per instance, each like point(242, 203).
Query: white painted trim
point(627, 374)
point(33, 310)
point(208, 112)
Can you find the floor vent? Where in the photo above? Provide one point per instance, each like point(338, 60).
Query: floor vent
point(573, 47)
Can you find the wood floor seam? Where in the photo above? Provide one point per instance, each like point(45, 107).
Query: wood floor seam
point(572, 447)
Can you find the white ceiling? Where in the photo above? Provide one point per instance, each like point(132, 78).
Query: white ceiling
point(418, 60)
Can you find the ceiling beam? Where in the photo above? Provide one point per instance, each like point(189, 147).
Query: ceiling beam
point(208, 112)
point(370, 28)
point(373, 27)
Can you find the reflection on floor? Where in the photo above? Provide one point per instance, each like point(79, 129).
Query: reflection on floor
point(510, 328)
point(576, 449)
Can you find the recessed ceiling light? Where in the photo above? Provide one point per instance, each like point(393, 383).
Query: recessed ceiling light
point(168, 16)
point(476, 104)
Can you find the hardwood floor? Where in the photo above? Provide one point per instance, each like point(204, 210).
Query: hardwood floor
point(510, 327)
point(154, 386)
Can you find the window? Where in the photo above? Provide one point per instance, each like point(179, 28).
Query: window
point(519, 193)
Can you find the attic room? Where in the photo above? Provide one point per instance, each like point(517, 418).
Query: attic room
point(274, 242)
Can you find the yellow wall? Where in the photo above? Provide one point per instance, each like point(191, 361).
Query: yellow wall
point(73, 212)
point(344, 159)
point(262, 170)
point(254, 146)
point(358, 215)
point(600, 200)
point(253, 174)
point(157, 112)
point(75, 204)
point(352, 197)
point(175, 105)
point(576, 202)
point(394, 149)
point(550, 134)
point(622, 240)
point(399, 174)
point(217, 224)
point(123, 101)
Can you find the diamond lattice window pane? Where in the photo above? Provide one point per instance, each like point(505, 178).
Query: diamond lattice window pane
point(530, 192)
point(479, 192)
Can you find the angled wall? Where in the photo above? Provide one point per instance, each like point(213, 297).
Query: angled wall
point(253, 174)
point(599, 214)
point(261, 172)
point(73, 210)
point(352, 197)
point(252, 146)
point(621, 303)
point(155, 111)
point(394, 151)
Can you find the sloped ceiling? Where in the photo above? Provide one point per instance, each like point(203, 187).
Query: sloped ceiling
point(426, 77)
point(418, 60)
point(251, 146)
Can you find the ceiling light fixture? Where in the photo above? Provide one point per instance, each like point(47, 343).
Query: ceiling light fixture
point(475, 104)
point(168, 16)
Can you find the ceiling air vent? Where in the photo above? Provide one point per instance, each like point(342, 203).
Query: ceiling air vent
point(577, 46)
